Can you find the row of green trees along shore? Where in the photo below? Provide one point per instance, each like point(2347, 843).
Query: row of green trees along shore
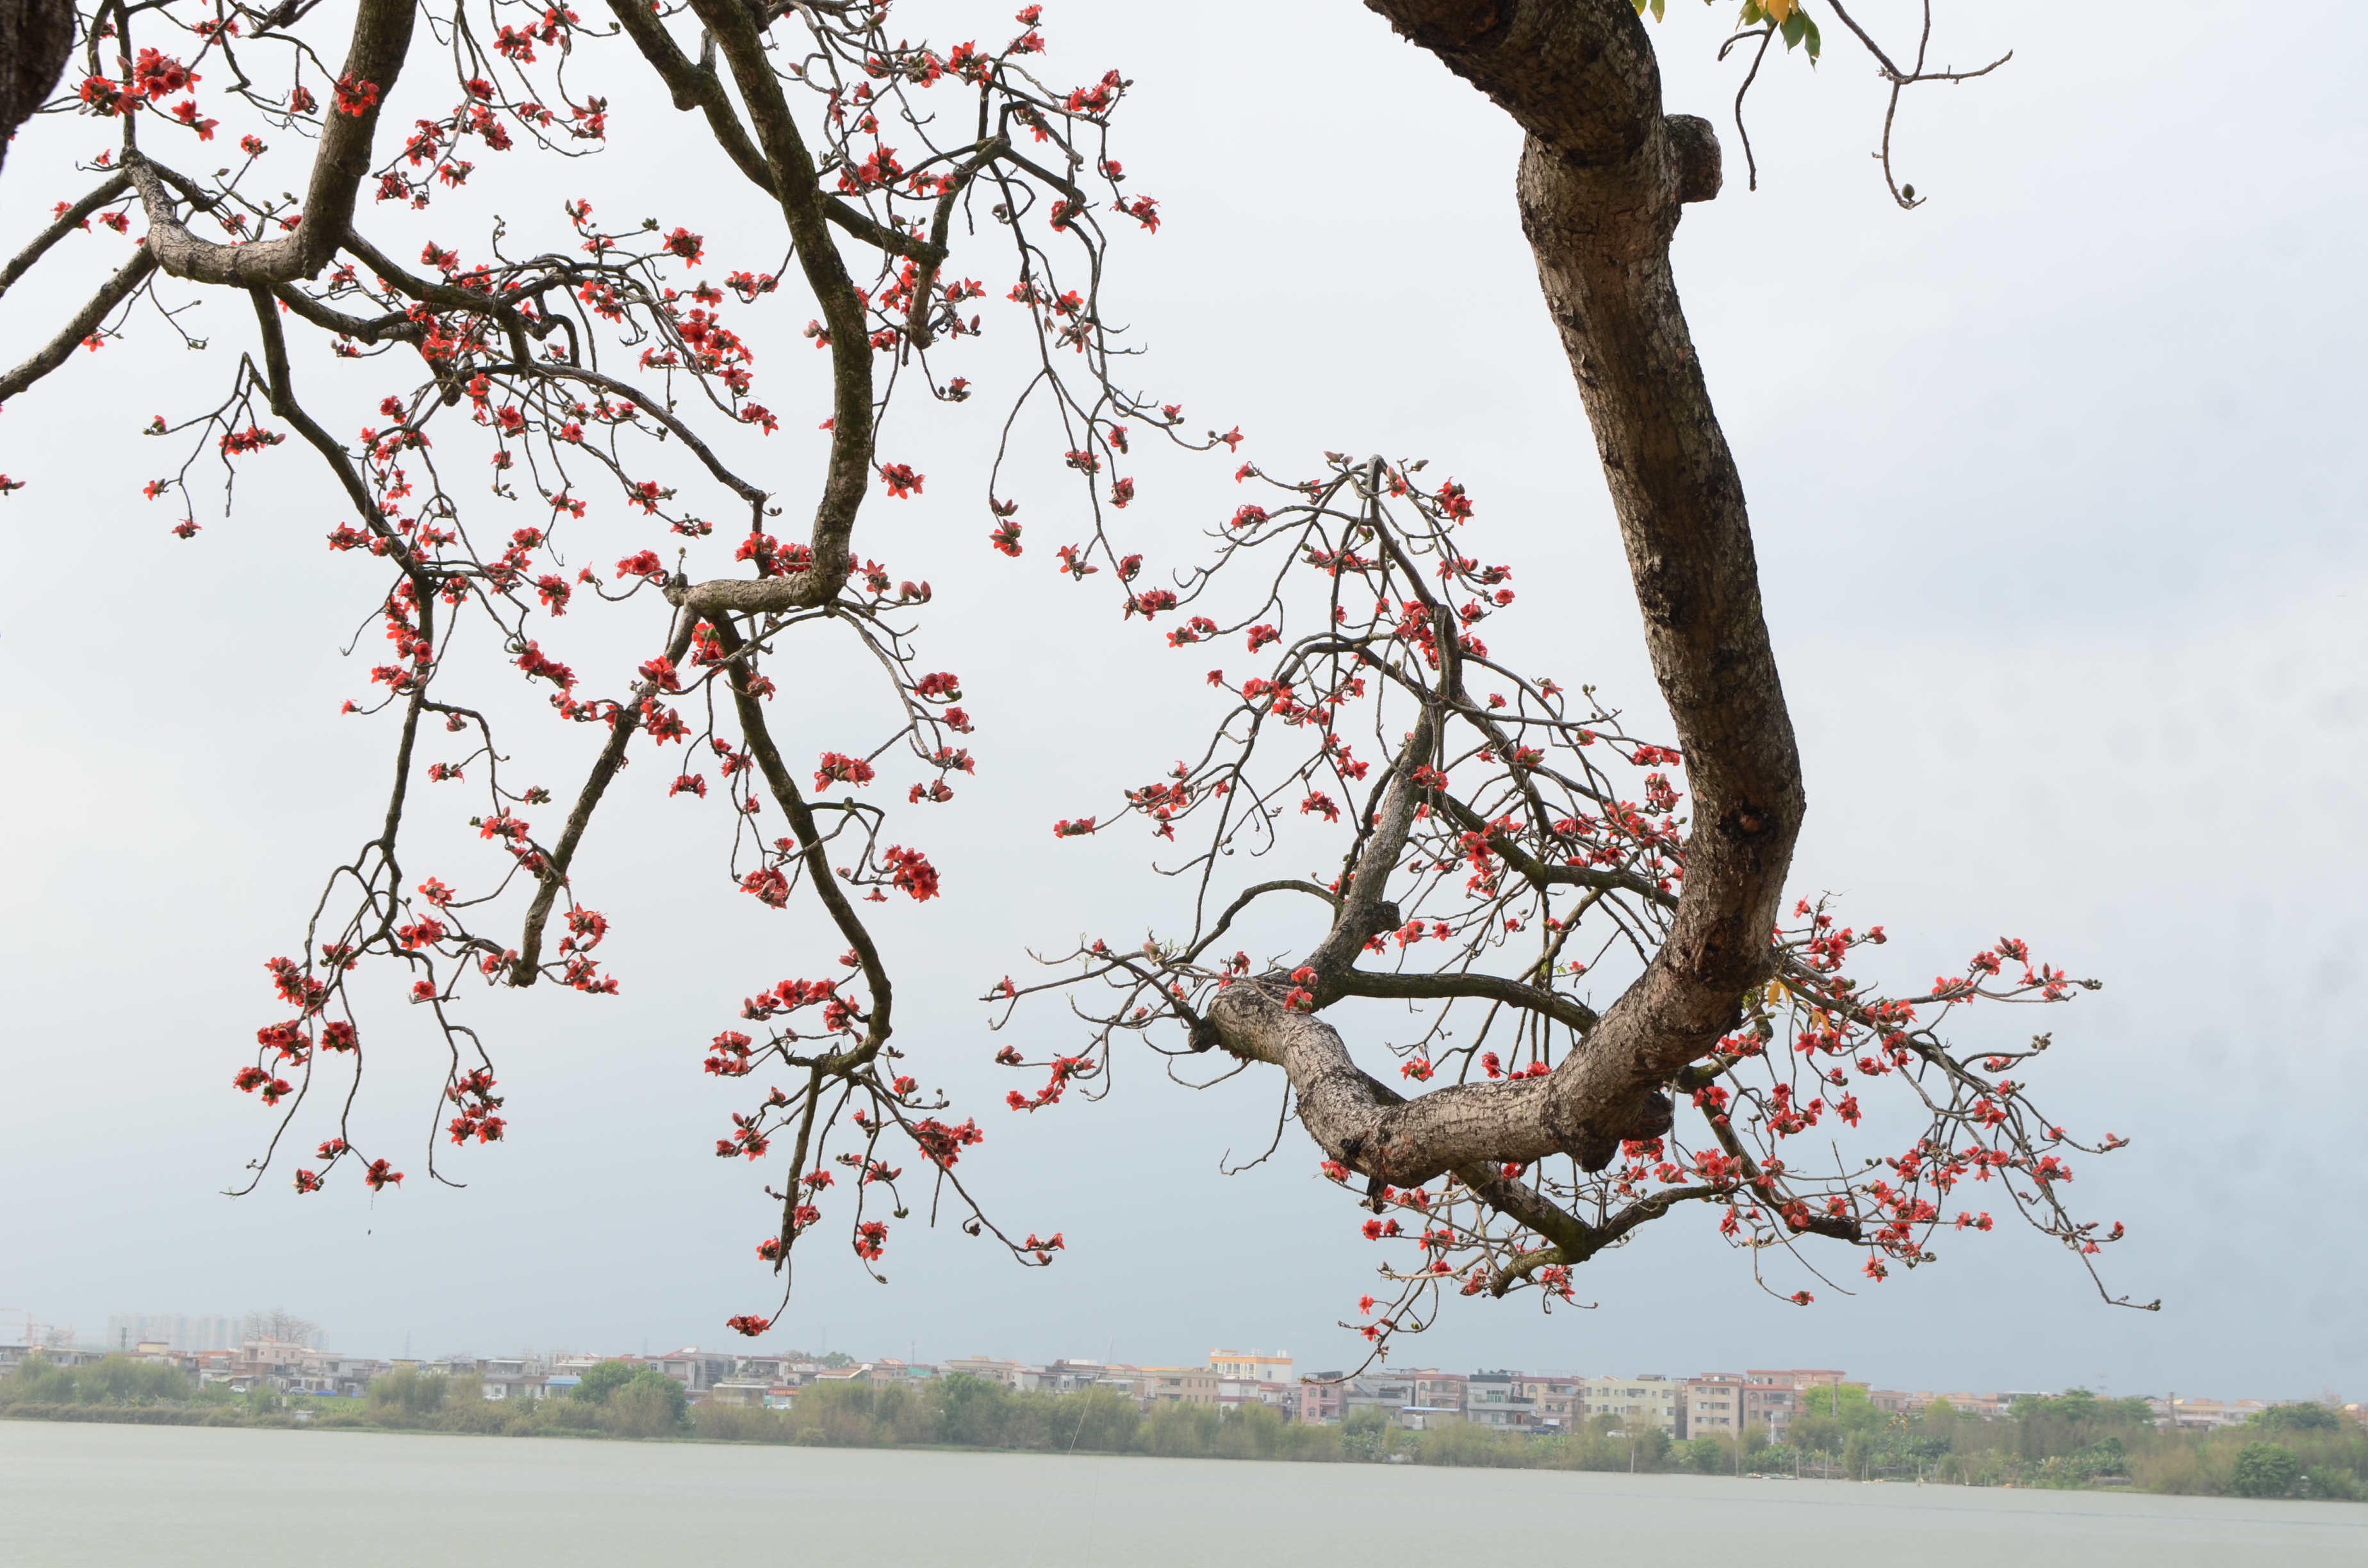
point(2075, 1440)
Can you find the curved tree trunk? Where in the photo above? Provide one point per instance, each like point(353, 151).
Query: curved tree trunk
point(1602, 180)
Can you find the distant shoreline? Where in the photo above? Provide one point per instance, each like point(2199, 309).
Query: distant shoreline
point(235, 1418)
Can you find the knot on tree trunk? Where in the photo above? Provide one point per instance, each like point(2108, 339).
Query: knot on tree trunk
point(1694, 145)
point(1596, 1143)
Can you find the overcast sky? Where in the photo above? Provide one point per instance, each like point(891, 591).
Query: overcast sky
point(2058, 483)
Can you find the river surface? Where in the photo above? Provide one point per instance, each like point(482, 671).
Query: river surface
point(195, 1497)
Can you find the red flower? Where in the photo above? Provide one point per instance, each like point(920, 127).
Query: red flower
point(911, 871)
point(838, 768)
point(156, 76)
point(943, 1144)
point(770, 887)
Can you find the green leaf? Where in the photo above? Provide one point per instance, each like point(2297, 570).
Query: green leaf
point(1795, 26)
point(1657, 5)
point(1814, 42)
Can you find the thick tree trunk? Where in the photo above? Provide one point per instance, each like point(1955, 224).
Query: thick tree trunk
point(1602, 180)
point(36, 36)
point(1601, 239)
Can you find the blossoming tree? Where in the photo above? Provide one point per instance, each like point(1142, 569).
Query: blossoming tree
point(1503, 843)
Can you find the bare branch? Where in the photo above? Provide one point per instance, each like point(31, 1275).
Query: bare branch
point(67, 221)
point(80, 325)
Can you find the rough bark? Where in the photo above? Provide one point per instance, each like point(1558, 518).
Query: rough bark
point(381, 43)
point(1601, 239)
point(36, 37)
point(1601, 182)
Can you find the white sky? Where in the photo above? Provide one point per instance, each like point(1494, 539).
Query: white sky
point(2058, 489)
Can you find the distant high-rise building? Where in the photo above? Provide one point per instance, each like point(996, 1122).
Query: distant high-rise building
point(188, 1334)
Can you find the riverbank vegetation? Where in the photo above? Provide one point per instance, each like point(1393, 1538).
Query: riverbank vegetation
point(2077, 1439)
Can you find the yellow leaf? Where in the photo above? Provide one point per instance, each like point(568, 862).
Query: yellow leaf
point(1776, 9)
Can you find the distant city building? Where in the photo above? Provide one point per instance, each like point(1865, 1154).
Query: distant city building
point(180, 1333)
point(1772, 1398)
point(695, 1371)
point(986, 1368)
point(888, 1370)
point(1233, 1393)
point(1323, 1399)
point(1555, 1400)
point(1179, 1385)
point(1417, 1399)
point(1253, 1366)
point(1713, 1406)
point(1498, 1401)
point(2206, 1415)
point(1071, 1375)
point(1388, 1392)
point(1438, 1391)
point(1648, 1399)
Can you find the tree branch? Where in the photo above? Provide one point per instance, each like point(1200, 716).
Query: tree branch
point(1554, 1004)
point(1251, 894)
point(527, 966)
point(1601, 186)
point(791, 168)
point(84, 322)
point(382, 39)
point(72, 218)
point(1537, 873)
point(750, 709)
point(1362, 1123)
point(282, 389)
point(694, 86)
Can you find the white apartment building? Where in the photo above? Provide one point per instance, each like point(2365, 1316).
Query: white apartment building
point(1714, 1406)
point(1647, 1398)
point(1253, 1366)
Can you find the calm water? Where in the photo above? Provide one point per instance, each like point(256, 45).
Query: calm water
point(181, 1496)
